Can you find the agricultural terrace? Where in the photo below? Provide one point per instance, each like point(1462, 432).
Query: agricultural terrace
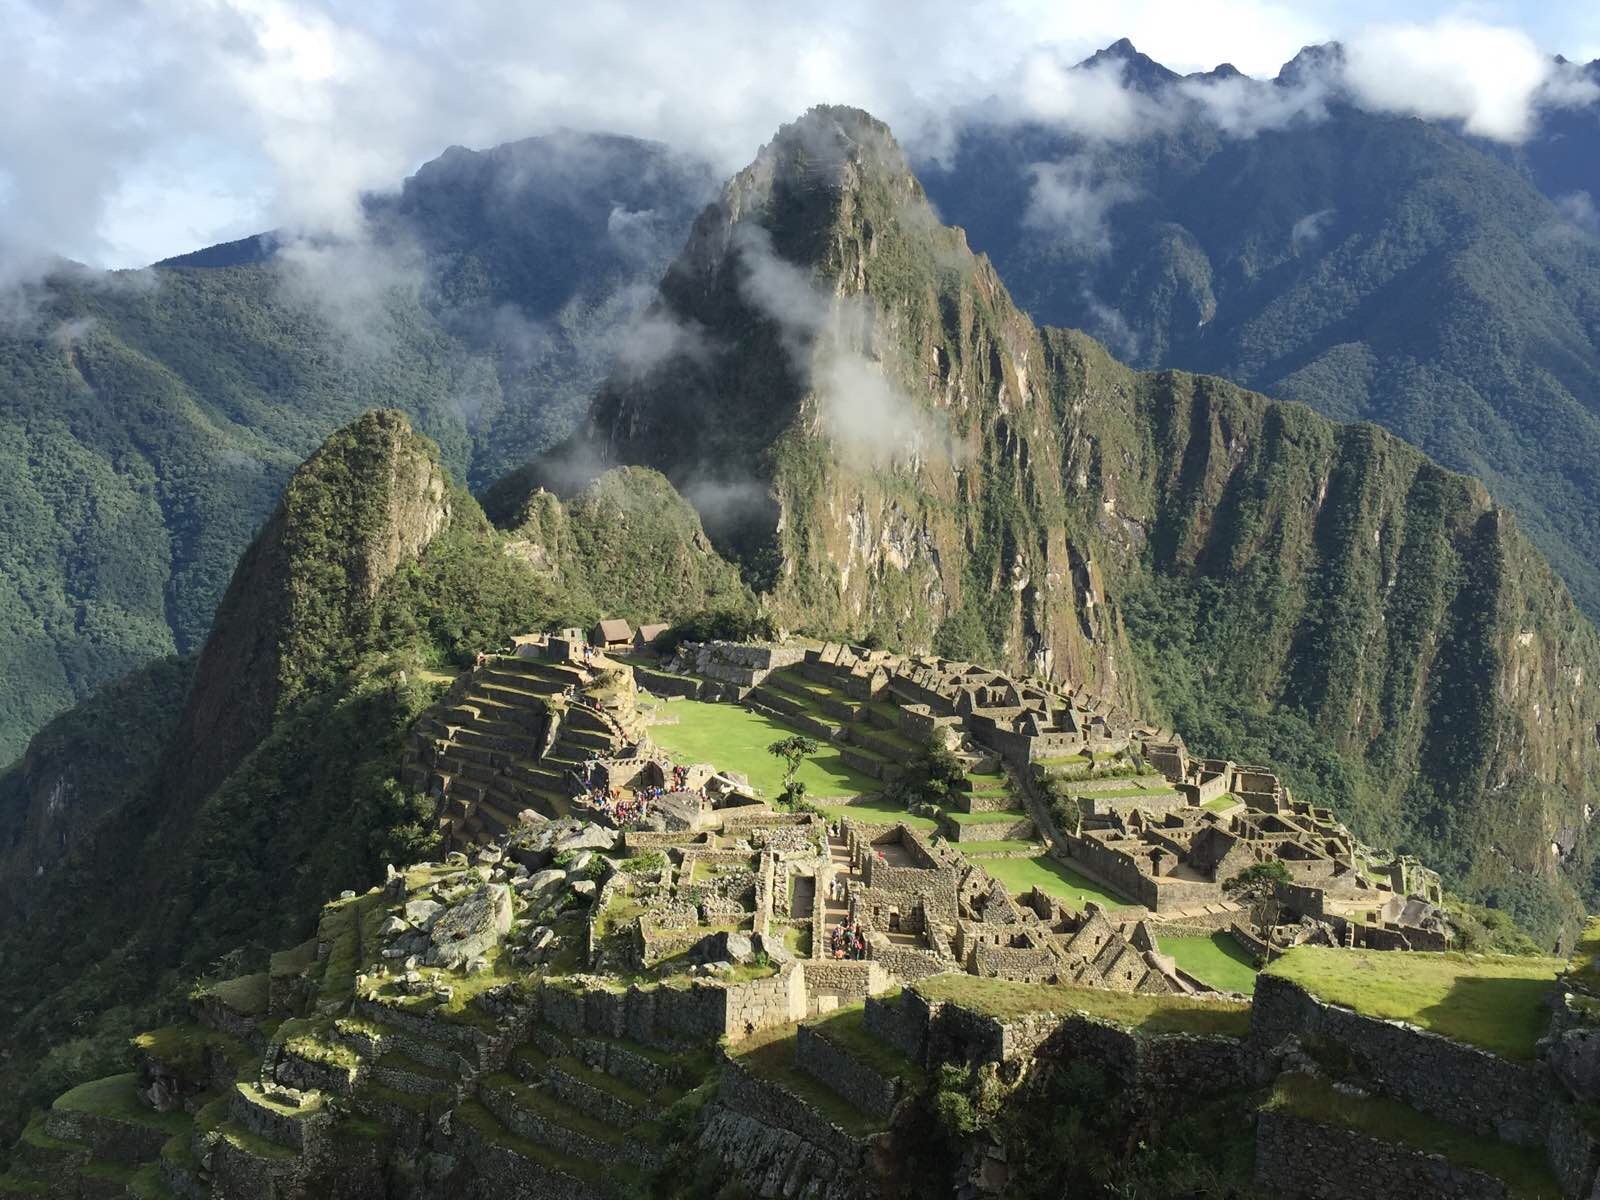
point(1054, 879)
point(1492, 1001)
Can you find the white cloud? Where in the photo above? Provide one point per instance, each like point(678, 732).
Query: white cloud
point(1493, 79)
point(1072, 200)
point(139, 129)
point(829, 341)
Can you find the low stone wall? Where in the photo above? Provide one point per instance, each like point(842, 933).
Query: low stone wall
point(848, 979)
point(743, 1091)
point(1198, 925)
point(1573, 1151)
point(1458, 1083)
point(900, 1020)
point(1020, 829)
point(842, 1072)
point(1298, 1159)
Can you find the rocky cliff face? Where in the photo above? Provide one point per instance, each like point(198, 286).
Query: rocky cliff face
point(1346, 579)
point(887, 444)
point(859, 412)
point(372, 497)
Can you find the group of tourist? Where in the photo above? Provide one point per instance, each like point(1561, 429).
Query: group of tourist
point(847, 941)
point(624, 810)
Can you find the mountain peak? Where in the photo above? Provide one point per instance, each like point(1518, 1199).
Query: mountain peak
point(1139, 69)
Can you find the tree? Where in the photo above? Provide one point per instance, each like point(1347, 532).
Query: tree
point(793, 750)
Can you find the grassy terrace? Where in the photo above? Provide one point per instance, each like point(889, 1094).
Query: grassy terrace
point(117, 1098)
point(847, 1028)
point(1523, 1170)
point(876, 811)
point(770, 1056)
point(1145, 1014)
point(987, 818)
point(735, 739)
point(1491, 1001)
point(981, 849)
point(1584, 965)
point(1216, 961)
point(1053, 878)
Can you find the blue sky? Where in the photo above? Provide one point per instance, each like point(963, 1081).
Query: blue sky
point(136, 129)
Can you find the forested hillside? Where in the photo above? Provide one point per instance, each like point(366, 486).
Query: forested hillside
point(890, 447)
point(187, 822)
point(149, 421)
point(1376, 267)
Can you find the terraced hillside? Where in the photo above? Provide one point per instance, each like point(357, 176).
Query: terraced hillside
point(510, 736)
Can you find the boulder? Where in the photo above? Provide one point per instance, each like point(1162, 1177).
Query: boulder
point(580, 861)
point(421, 914)
point(540, 883)
point(471, 928)
point(590, 837)
point(393, 927)
point(584, 888)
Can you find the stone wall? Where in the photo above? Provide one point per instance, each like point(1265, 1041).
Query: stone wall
point(842, 1072)
point(1303, 1160)
point(743, 1091)
point(1461, 1084)
point(849, 979)
point(901, 1020)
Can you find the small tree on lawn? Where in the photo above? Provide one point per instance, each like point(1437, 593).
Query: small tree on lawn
point(794, 751)
point(1257, 886)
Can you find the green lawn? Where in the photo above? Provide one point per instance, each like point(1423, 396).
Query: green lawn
point(979, 849)
point(1523, 1170)
point(988, 818)
point(736, 739)
point(1054, 878)
point(1220, 803)
point(1493, 1001)
point(1005, 999)
point(1216, 961)
point(877, 811)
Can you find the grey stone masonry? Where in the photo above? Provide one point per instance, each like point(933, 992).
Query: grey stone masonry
point(1298, 1159)
point(1458, 1083)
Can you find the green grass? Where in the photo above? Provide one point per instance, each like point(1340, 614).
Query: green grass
point(1584, 966)
point(1219, 803)
point(1004, 998)
point(735, 739)
point(1054, 878)
point(116, 1097)
point(1495, 1002)
point(1522, 1169)
point(772, 1058)
point(979, 849)
point(182, 1048)
point(847, 1029)
point(1216, 961)
point(246, 994)
point(877, 811)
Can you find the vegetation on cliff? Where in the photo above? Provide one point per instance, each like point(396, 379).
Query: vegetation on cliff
point(374, 582)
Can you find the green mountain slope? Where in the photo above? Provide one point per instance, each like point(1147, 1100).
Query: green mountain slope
point(148, 422)
point(1377, 268)
point(1319, 595)
point(198, 812)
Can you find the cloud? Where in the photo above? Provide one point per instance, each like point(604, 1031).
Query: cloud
point(829, 342)
point(1307, 231)
point(1493, 79)
point(1072, 200)
point(141, 129)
